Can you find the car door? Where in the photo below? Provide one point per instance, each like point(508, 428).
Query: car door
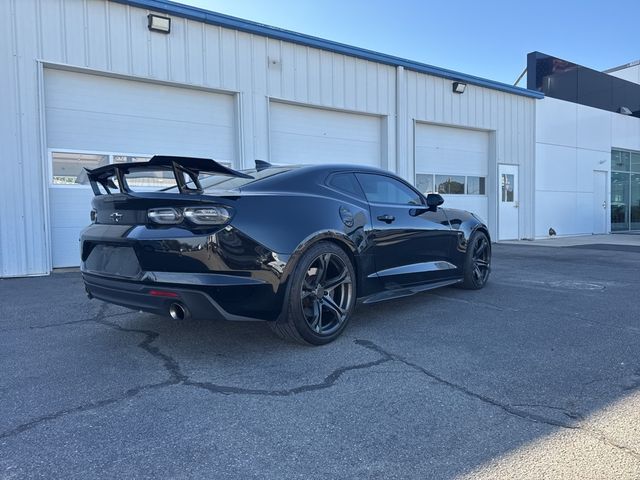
point(410, 243)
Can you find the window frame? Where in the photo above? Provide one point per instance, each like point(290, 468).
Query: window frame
point(466, 183)
point(420, 195)
point(110, 154)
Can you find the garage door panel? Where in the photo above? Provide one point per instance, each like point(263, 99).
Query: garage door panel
point(93, 131)
point(300, 134)
point(70, 207)
point(303, 149)
point(449, 138)
point(295, 119)
point(95, 93)
point(69, 256)
point(450, 150)
point(453, 161)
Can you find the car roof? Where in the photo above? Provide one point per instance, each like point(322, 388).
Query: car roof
point(291, 177)
point(333, 167)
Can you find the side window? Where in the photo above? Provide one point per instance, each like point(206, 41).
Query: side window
point(346, 182)
point(383, 189)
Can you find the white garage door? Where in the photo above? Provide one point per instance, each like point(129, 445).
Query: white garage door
point(453, 162)
point(308, 135)
point(92, 120)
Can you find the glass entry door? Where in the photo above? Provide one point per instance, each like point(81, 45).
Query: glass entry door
point(635, 202)
point(625, 190)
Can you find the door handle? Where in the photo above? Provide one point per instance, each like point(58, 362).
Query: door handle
point(516, 204)
point(386, 218)
point(604, 204)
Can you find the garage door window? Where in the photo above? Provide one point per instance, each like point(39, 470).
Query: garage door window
point(68, 168)
point(424, 183)
point(475, 186)
point(450, 184)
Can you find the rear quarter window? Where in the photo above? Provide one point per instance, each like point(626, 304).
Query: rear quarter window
point(347, 183)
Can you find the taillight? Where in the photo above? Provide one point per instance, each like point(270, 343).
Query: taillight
point(93, 215)
point(212, 215)
point(164, 216)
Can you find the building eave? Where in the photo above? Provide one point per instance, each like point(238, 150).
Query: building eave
point(219, 19)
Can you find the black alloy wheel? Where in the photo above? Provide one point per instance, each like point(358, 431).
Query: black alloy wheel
point(321, 296)
point(477, 265)
point(326, 293)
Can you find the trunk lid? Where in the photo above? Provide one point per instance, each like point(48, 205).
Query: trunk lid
point(131, 208)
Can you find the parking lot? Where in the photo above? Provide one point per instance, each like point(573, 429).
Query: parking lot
point(536, 376)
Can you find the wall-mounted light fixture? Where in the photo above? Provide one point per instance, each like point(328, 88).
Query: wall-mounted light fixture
point(625, 111)
point(458, 87)
point(158, 23)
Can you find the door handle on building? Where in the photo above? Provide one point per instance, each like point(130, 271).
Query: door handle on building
point(604, 204)
point(516, 204)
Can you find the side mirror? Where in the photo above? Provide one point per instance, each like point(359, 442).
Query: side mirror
point(434, 200)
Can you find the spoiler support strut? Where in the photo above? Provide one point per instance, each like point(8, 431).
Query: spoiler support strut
point(180, 166)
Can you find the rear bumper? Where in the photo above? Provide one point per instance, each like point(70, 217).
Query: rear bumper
point(218, 274)
point(157, 291)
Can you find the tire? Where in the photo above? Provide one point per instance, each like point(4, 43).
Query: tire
point(320, 297)
point(477, 262)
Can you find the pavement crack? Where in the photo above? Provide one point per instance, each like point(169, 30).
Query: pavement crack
point(328, 382)
point(511, 409)
point(132, 392)
point(169, 363)
point(568, 413)
point(61, 324)
point(176, 377)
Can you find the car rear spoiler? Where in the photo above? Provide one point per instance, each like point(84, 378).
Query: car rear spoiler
point(181, 167)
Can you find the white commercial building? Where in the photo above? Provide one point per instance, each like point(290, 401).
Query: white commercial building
point(87, 82)
point(587, 161)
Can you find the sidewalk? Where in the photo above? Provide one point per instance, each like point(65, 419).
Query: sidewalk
point(573, 241)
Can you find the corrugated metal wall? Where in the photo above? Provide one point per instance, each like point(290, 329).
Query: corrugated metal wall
point(111, 37)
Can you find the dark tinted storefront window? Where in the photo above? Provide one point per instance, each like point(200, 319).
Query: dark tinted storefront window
point(564, 80)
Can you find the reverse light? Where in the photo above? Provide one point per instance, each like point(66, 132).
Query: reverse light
point(164, 216)
point(207, 215)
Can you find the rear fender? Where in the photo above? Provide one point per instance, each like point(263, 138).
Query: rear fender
point(360, 261)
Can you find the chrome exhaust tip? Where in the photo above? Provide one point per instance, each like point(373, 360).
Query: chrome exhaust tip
point(177, 311)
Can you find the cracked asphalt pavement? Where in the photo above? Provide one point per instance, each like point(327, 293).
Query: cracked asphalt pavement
point(536, 376)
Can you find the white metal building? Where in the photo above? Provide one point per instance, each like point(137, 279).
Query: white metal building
point(86, 82)
point(587, 160)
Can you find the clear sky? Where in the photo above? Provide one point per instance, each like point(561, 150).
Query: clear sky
point(487, 38)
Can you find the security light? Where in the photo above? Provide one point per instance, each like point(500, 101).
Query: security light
point(458, 87)
point(158, 23)
point(625, 111)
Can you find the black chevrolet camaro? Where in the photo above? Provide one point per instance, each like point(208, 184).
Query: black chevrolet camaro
point(293, 245)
